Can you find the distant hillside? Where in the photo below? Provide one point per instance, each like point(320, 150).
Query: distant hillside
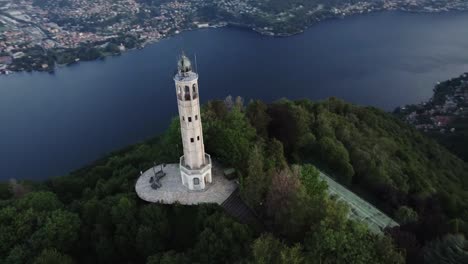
point(445, 116)
point(94, 216)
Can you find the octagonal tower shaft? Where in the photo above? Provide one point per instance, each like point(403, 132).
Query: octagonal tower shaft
point(186, 83)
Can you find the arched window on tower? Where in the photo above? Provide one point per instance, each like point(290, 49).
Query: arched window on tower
point(187, 93)
point(194, 91)
point(179, 92)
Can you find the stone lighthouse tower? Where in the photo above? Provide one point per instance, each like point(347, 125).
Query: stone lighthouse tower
point(195, 164)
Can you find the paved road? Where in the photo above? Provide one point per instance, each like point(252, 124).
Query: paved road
point(361, 210)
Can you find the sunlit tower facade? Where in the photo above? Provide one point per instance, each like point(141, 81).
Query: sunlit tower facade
point(195, 164)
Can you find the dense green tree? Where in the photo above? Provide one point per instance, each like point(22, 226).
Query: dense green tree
point(448, 250)
point(125, 222)
point(40, 201)
point(8, 235)
point(5, 191)
point(405, 215)
point(407, 242)
point(25, 222)
point(105, 249)
point(153, 231)
point(67, 188)
point(60, 231)
point(269, 250)
point(258, 117)
point(172, 140)
point(275, 159)
point(222, 240)
point(257, 181)
point(316, 190)
point(323, 127)
point(310, 179)
point(385, 251)
point(19, 254)
point(52, 256)
point(289, 124)
point(287, 205)
point(337, 240)
point(336, 156)
point(215, 110)
point(293, 255)
point(229, 139)
point(170, 257)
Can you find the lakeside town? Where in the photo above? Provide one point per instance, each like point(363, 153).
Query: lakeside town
point(38, 35)
point(444, 111)
point(444, 117)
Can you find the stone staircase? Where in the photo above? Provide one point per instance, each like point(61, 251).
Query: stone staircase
point(237, 208)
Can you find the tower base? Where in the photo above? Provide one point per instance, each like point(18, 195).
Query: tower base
point(196, 179)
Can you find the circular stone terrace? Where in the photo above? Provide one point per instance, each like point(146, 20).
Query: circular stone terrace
point(172, 190)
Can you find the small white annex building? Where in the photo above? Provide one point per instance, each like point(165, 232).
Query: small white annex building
point(195, 164)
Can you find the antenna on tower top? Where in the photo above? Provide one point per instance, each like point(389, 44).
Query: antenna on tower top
point(196, 65)
point(181, 54)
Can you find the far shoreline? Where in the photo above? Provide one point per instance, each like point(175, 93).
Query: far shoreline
point(250, 28)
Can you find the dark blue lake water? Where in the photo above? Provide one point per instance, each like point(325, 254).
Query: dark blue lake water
point(52, 124)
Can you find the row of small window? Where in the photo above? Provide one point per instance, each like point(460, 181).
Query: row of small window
point(193, 140)
point(190, 118)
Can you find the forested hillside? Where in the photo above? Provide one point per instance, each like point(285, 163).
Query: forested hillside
point(406, 174)
point(94, 216)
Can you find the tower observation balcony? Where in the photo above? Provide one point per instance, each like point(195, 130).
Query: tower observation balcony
point(203, 168)
point(185, 76)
